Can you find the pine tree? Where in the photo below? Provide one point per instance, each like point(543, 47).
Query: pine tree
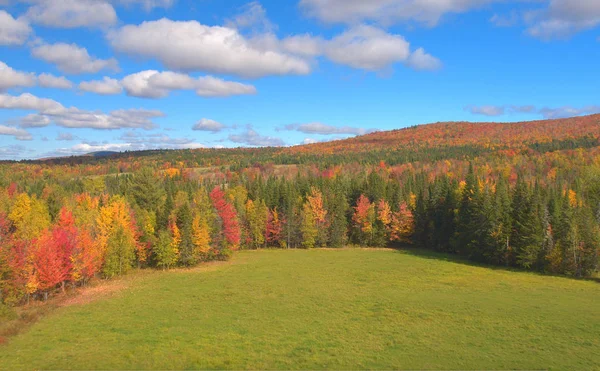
point(339, 220)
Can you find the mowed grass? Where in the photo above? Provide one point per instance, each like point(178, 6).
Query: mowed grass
point(317, 309)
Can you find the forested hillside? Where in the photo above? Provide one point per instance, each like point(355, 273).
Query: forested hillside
point(521, 195)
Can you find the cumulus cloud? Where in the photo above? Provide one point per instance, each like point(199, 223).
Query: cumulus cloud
point(47, 80)
point(387, 12)
point(72, 13)
point(155, 84)
point(192, 46)
point(73, 59)
point(13, 31)
point(30, 102)
point(547, 113)
point(368, 48)
point(323, 129)
point(251, 138)
point(34, 120)
point(106, 86)
point(11, 78)
point(208, 125)
point(124, 118)
point(563, 18)
point(19, 134)
point(50, 111)
point(362, 47)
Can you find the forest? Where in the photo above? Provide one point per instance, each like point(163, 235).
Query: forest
point(522, 195)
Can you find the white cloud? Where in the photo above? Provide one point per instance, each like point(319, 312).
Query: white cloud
point(30, 102)
point(13, 31)
point(71, 58)
point(10, 78)
point(323, 129)
point(208, 125)
point(72, 13)
point(209, 86)
point(34, 120)
point(106, 86)
point(50, 111)
point(47, 80)
point(252, 138)
point(387, 12)
point(253, 16)
point(420, 60)
point(155, 84)
point(19, 134)
point(368, 48)
point(191, 46)
point(304, 45)
point(309, 141)
point(563, 18)
point(119, 119)
point(362, 47)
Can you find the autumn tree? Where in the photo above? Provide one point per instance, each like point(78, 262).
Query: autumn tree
point(364, 218)
point(402, 226)
point(228, 220)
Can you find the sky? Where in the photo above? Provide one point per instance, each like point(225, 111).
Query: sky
point(79, 76)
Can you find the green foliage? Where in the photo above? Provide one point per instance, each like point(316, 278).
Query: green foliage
point(120, 254)
point(165, 255)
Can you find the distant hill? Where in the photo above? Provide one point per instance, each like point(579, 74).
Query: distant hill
point(102, 153)
point(455, 134)
point(414, 142)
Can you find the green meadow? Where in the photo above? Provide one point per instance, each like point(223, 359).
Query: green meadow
point(322, 309)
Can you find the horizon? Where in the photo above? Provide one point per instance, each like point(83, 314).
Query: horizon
point(79, 76)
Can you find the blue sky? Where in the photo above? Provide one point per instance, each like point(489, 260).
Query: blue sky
point(78, 76)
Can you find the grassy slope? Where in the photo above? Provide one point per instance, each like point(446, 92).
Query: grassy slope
point(344, 309)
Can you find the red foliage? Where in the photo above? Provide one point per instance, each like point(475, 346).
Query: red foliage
point(12, 189)
point(52, 257)
point(229, 219)
point(274, 227)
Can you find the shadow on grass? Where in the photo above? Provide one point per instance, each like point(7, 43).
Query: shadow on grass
point(441, 256)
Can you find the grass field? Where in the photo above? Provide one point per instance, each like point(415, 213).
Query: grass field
point(334, 309)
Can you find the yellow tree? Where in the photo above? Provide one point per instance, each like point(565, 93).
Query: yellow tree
point(256, 215)
point(116, 236)
point(315, 207)
point(309, 227)
point(29, 216)
point(200, 237)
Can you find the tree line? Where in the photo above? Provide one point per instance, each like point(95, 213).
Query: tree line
point(59, 237)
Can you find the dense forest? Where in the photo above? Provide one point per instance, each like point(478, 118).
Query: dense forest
point(519, 195)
